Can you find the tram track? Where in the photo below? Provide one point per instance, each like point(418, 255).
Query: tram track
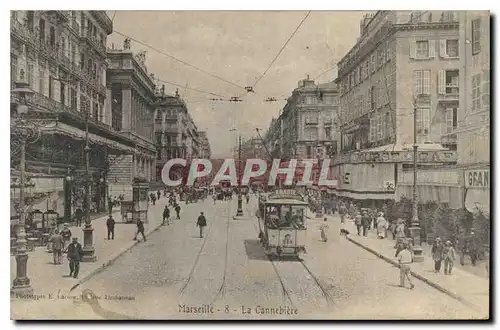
point(221, 292)
point(286, 292)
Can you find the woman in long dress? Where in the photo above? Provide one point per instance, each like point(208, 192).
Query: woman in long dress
point(381, 226)
point(324, 231)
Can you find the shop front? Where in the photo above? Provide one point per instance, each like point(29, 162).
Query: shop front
point(477, 191)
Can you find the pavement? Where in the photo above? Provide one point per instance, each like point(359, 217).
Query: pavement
point(52, 284)
point(178, 275)
point(469, 288)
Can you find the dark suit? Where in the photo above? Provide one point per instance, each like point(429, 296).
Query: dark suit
point(202, 222)
point(75, 254)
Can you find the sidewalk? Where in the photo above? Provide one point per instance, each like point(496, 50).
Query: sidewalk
point(47, 278)
point(471, 289)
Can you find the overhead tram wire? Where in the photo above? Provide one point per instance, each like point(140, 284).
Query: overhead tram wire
point(178, 60)
point(192, 89)
point(281, 50)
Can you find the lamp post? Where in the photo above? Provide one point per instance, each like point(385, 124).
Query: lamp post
point(88, 246)
point(319, 210)
point(21, 284)
point(239, 212)
point(415, 223)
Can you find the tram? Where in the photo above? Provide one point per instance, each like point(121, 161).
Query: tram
point(282, 223)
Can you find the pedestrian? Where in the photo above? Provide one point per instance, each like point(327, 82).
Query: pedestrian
point(202, 222)
point(66, 234)
point(75, 253)
point(324, 230)
point(400, 231)
point(178, 211)
point(449, 257)
point(247, 197)
point(158, 194)
point(472, 247)
point(78, 217)
point(110, 224)
point(57, 247)
point(153, 198)
point(342, 212)
point(381, 226)
point(358, 222)
point(365, 221)
point(166, 215)
point(405, 259)
point(214, 197)
point(140, 230)
point(437, 254)
point(110, 206)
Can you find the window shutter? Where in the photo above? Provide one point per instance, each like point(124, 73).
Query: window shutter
point(432, 48)
point(442, 82)
point(427, 82)
point(485, 89)
point(413, 49)
point(442, 48)
point(415, 83)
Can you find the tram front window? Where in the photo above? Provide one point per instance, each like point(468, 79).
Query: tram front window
point(285, 216)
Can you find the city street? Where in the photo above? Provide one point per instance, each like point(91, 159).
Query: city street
point(226, 275)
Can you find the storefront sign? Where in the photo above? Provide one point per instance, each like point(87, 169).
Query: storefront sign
point(397, 157)
point(477, 179)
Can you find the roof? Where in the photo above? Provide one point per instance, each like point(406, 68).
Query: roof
point(285, 201)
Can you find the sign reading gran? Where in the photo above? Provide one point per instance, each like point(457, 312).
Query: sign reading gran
point(477, 179)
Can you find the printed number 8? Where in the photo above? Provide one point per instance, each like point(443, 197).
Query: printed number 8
point(227, 308)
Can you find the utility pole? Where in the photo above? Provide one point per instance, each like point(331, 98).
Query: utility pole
point(239, 212)
point(415, 223)
point(88, 245)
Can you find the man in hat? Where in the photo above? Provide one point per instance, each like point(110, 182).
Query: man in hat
point(57, 246)
point(75, 253)
point(110, 224)
point(437, 254)
point(365, 221)
point(202, 223)
point(449, 257)
point(66, 234)
point(405, 259)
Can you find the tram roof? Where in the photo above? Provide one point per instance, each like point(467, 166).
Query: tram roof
point(285, 201)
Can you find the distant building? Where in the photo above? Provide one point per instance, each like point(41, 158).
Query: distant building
point(401, 60)
point(205, 150)
point(473, 131)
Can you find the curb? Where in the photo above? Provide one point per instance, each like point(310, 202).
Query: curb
point(110, 261)
point(418, 276)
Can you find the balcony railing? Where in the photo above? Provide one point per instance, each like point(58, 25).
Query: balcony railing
point(23, 32)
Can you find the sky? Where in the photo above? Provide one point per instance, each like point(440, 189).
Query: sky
point(237, 46)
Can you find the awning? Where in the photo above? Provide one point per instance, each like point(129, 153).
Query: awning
point(77, 134)
point(478, 200)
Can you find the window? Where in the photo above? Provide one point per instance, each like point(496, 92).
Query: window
point(309, 152)
point(52, 36)
point(29, 75)
point(30, 20)
point(41, 27)
point(372, 98)
point(373, 63)
point(420, 16)
point(448, 16)
point(422, 49)
point(311, 118)
point(476, 36)
point(51, 90)
point(423, 121)
point(311, 133)
point(476, 92)
point(328, 133)
point(74, 100)
point(421, 79)
point(62, 92)
point(380, 127)
point(451, 120)
point(13, 68)
point(451, 49)
point(485, 95)
point(41, 81)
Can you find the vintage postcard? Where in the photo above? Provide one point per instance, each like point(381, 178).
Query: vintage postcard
point(250, 165)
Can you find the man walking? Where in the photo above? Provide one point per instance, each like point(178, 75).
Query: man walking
point(166, 216)
point(178, 211)
point(202, 222)
point(437, 254)
point(78, 217)
point(342, 212)
point(110, 223)
point(57, 246)
point(324, 230)
point(140, 230)
point(405, 259)
point(158, 193)
point(75, 253)
point(358, 221)
point(449, 257)
point(365, 221)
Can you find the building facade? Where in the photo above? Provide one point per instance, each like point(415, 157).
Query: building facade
point(176, 133)
point(62, 56)
point(130, 111)
point(473, 132)
point(205, 150)
point(404, 65)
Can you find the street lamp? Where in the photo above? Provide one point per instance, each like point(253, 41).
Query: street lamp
point(239, 212)
point(415, 223)
point(319, 210)
point(88, 246)
point(21, 284)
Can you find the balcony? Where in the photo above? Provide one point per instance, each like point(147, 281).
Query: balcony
point(42, 101)
point(449, 139)
point(93, 42)
point(451, 94)
point(24, 33)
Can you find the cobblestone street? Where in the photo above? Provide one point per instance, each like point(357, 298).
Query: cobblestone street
point(228, 272)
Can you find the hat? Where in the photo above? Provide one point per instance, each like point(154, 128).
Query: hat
point(65, 225)
point(381, 214)
point(448, 243)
